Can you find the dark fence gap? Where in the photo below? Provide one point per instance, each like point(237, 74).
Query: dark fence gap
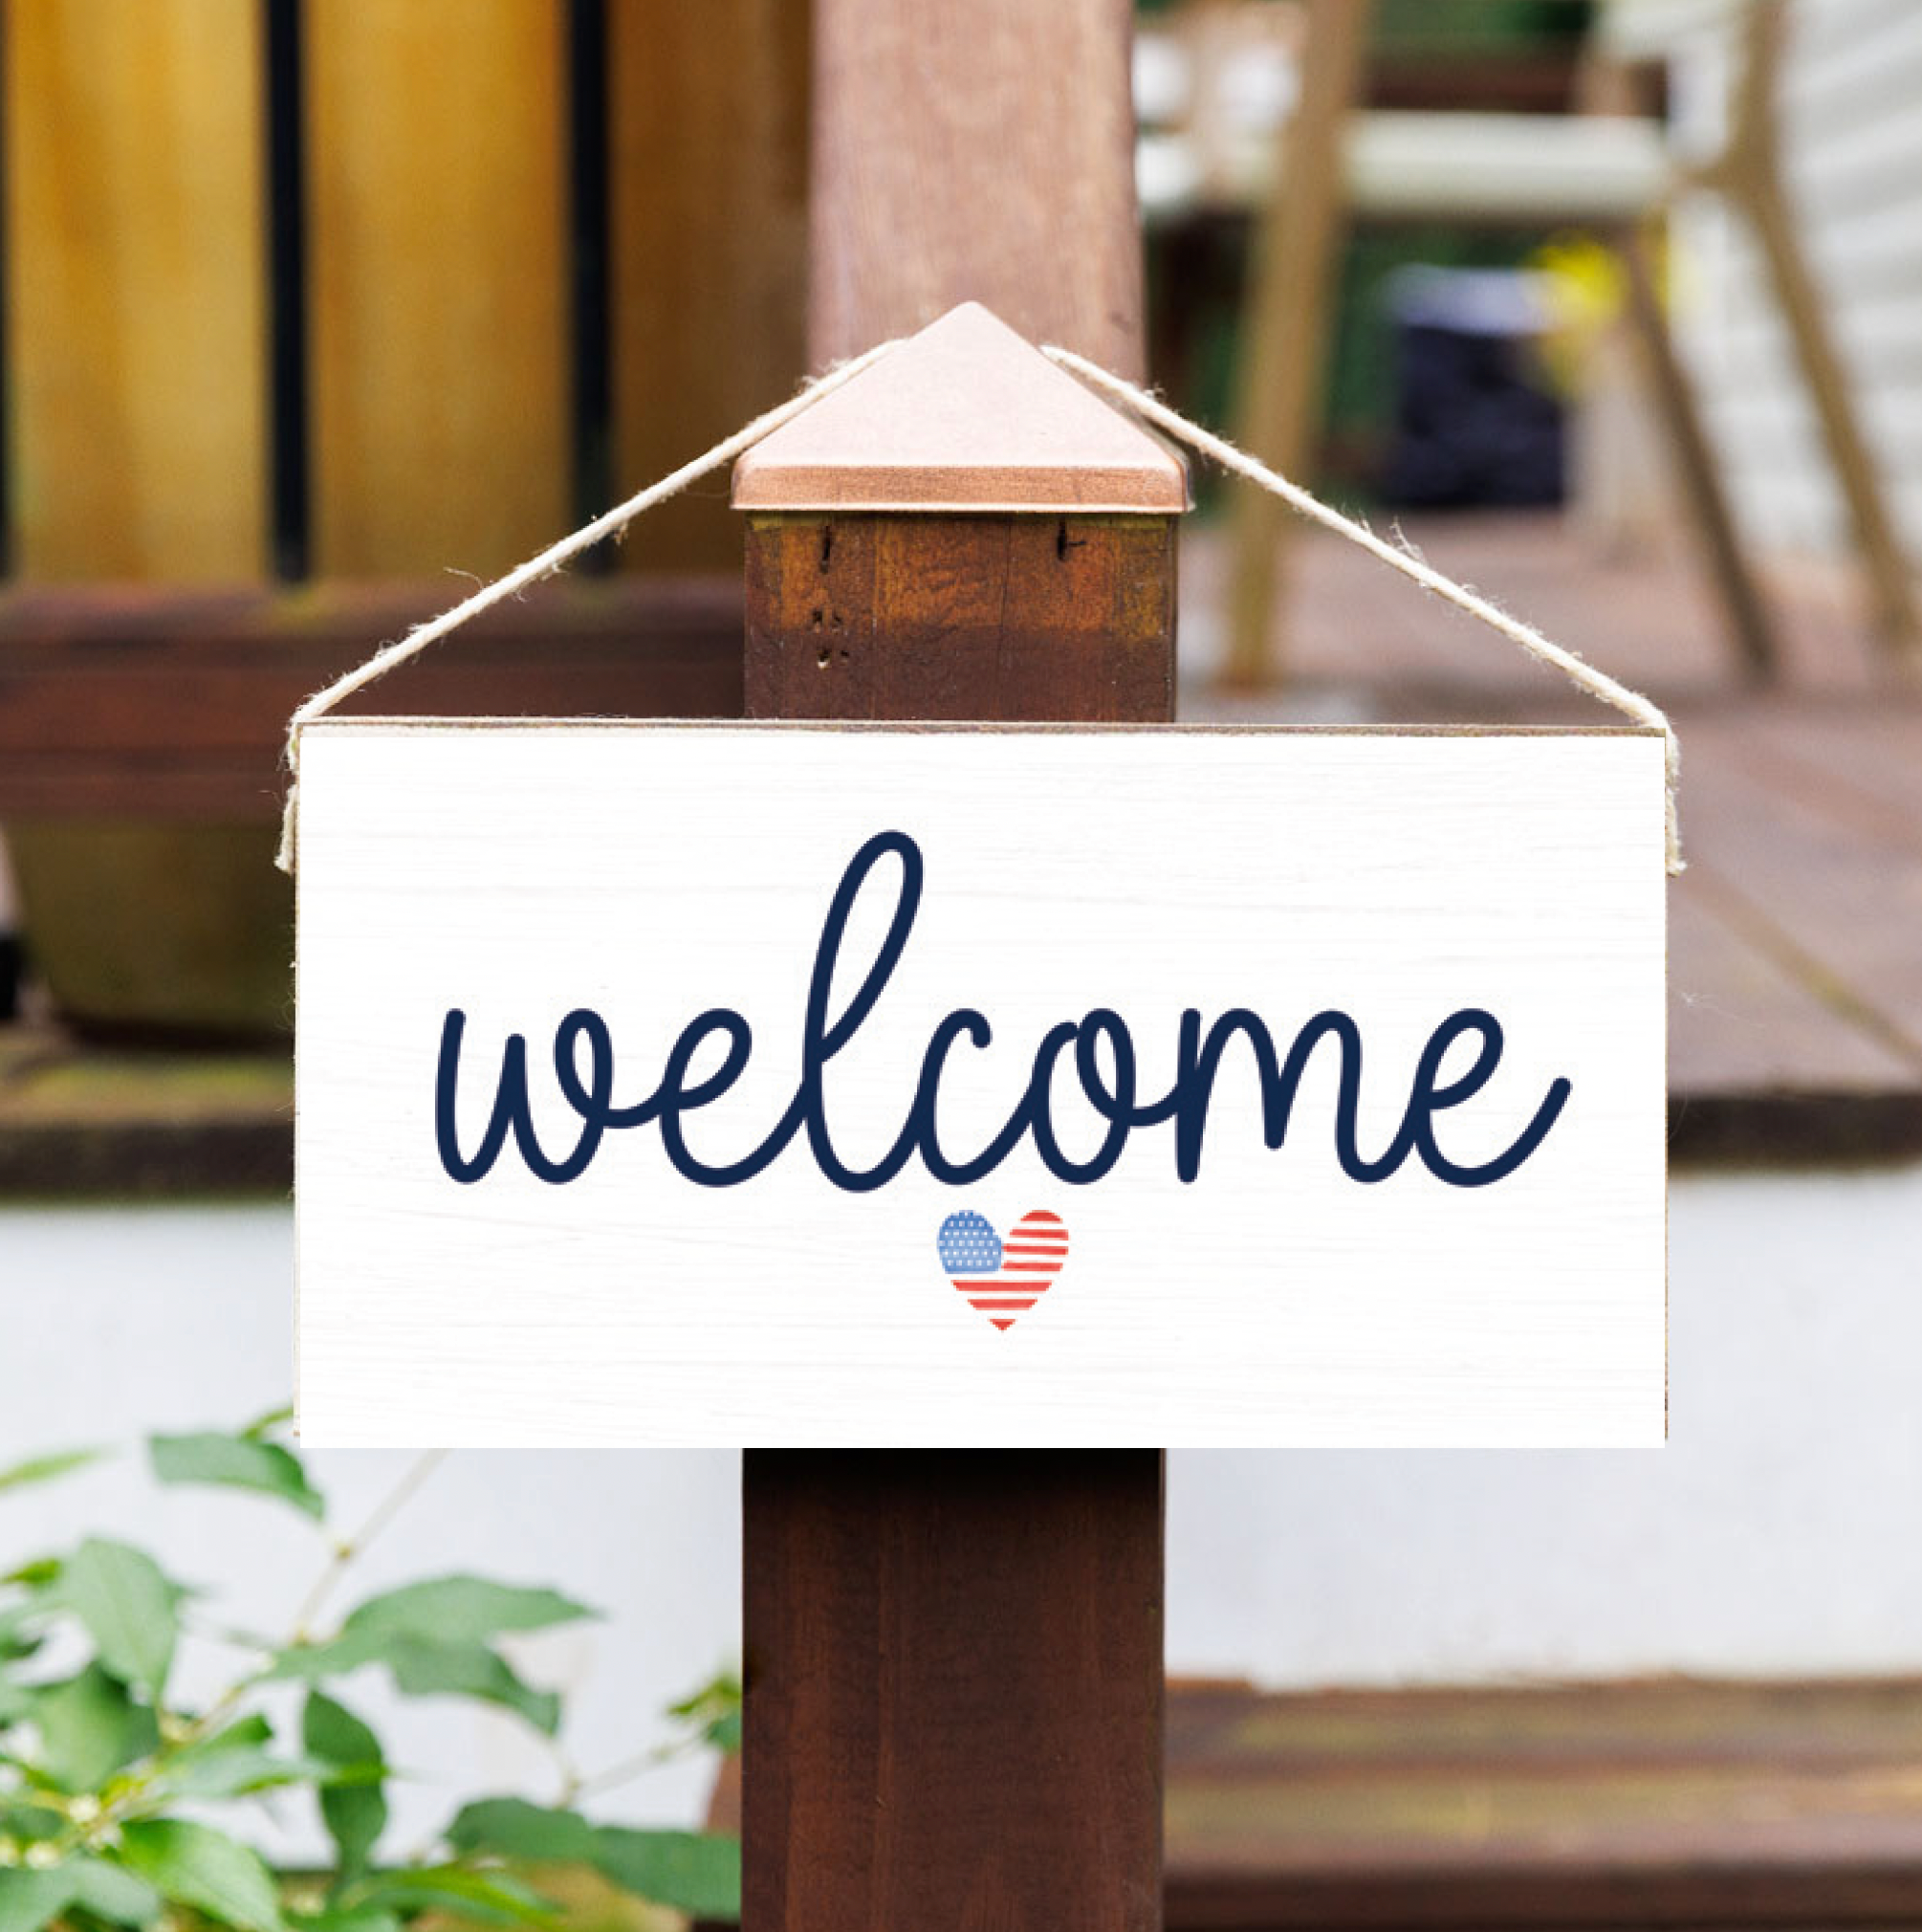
point(289, 498)
point(590, 324)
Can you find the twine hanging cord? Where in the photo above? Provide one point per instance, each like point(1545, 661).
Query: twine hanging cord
point(1578, 671)
point(1584, 676)
point(555, 558)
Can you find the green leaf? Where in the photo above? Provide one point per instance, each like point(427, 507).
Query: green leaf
point(110, 1893)
point(30, 1899)
point(432, 1636)
point(316, 1662)
point(346, 1918)
point(713, 1711)
point(237, 1462)
point(263, 1426)
point(423, 1667)
point(194, 1865)
point(470, 1670)
point(237, 1762)
point(454, 1609)
point(128, 1608)
point(695, 1872)
point(45, 1468)
point(21, 1631)
point(89, 1728)
point(511, 1828)
point(242, 1734)
point(354, 1813)
point(333, 1733)
point(27, 1822)
point(492, 1898)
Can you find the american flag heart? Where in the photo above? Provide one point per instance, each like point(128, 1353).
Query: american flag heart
point(1002, 1278)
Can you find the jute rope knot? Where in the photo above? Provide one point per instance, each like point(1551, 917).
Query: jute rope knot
point(1150, 408)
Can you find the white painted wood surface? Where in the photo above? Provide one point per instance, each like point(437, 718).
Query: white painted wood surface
point(649, 872)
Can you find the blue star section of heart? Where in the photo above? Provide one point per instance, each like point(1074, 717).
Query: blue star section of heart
point(969, 1244)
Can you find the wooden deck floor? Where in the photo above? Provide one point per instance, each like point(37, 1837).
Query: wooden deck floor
point(1796, 935)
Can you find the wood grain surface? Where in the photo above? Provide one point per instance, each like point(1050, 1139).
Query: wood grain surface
point(1041, 618)
point(135, 289)
point(1671, 1803)
point(440, 386)
point(1607, 1806)
point(708, 117)
point(978, 153)
point(144, 706)
point(955, 1690)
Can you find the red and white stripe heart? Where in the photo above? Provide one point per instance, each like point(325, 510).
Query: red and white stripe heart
point(1002, 1278)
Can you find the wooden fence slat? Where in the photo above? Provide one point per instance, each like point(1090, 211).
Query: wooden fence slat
point(707, 111)
point(438, 270)
point(136, 305)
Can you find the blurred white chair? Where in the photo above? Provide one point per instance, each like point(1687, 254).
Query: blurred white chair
point(1287, 140)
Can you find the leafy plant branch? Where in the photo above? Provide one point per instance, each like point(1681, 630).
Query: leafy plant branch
point(107, 1779)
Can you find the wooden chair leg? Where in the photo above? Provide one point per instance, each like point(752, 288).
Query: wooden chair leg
point(1749, 619)
point(1752, 180)
point(1891, 579)
point(1297, 257)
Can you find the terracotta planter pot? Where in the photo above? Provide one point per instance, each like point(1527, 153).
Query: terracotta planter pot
point(162, 933)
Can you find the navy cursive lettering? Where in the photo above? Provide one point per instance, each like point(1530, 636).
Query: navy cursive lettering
point(584, 1073)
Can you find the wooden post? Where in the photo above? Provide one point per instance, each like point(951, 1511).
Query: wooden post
point(954, 1691)
point(974, 153)
point(964, 533)
point(953, 1660)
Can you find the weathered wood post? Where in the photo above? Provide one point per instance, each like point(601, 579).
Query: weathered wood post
point(954, 1659)
point(953, 1662)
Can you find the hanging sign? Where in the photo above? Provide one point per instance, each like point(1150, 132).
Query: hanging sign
point(773, 1084)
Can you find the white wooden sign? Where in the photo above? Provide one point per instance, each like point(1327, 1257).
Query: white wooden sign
point(771, 1085)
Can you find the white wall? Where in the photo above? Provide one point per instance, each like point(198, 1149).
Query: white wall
point(1771, 1536)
